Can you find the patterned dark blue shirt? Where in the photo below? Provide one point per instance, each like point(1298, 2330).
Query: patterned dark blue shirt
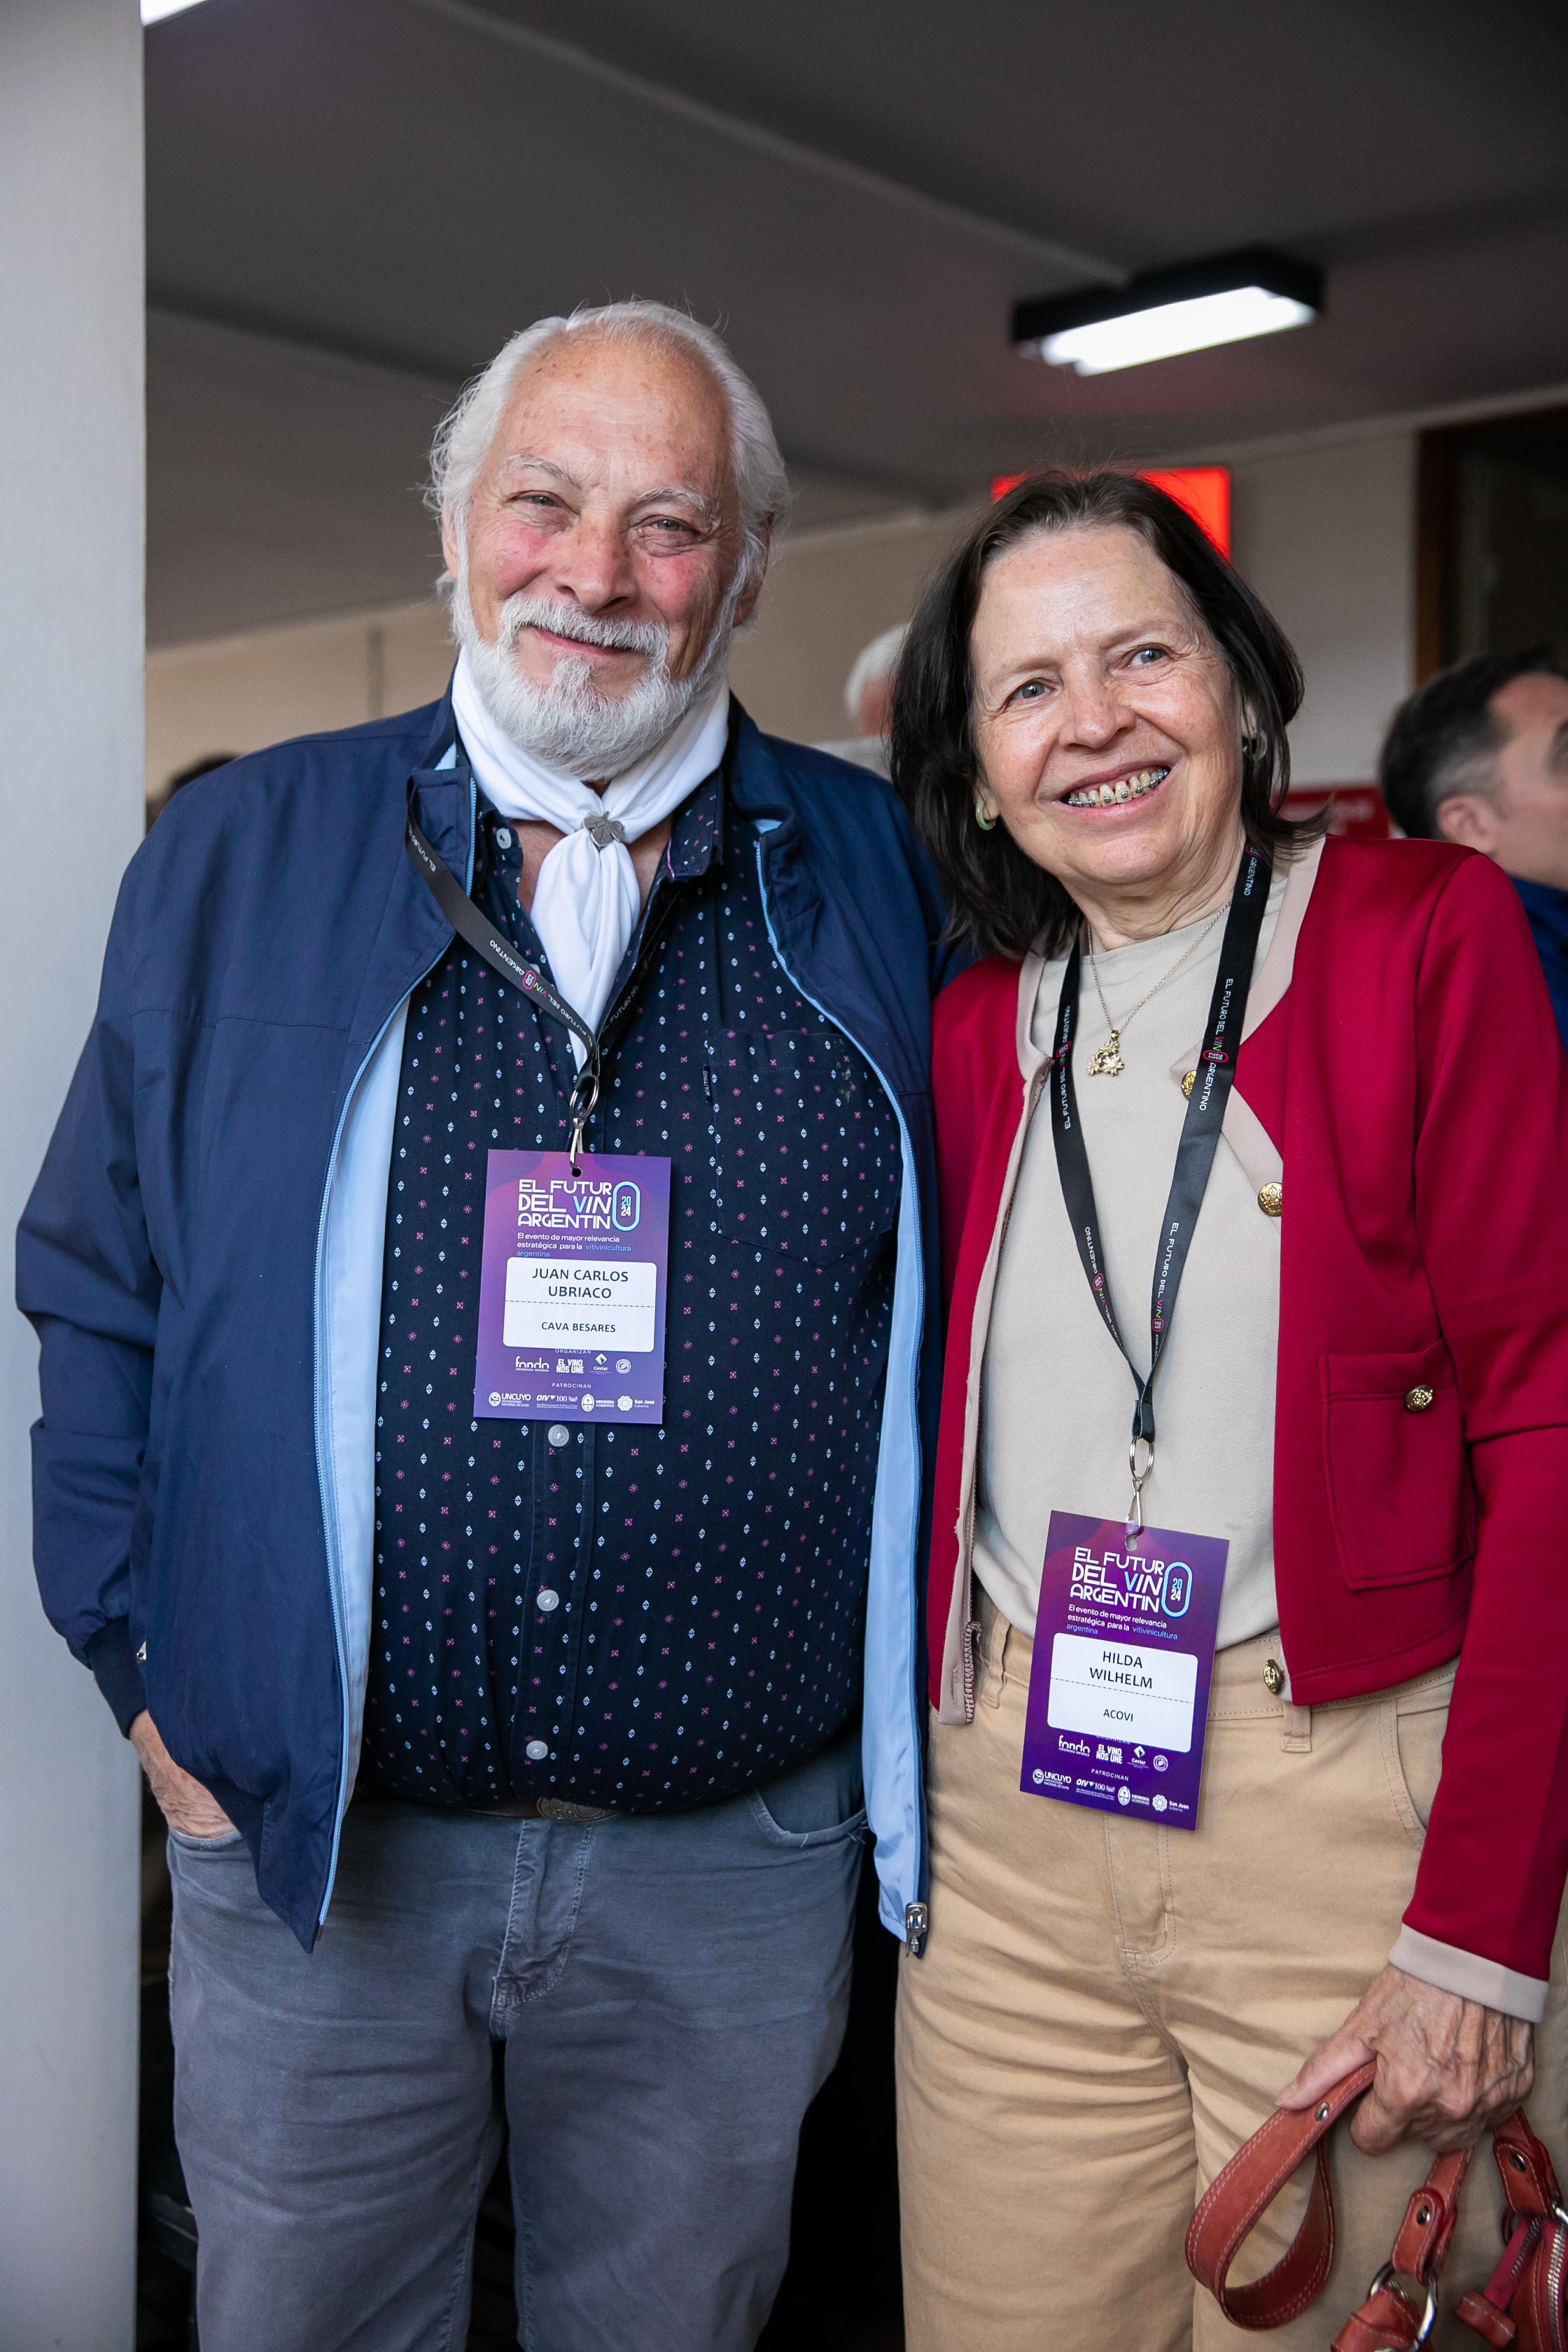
point(641, 1618)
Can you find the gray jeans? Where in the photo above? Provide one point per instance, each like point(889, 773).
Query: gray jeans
point(653, 2001)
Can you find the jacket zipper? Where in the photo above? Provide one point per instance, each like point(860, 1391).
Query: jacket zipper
point(325, 1468)
point(325, 1473)
point(970, 1636)
point(971, 1623)
point(916, 1915)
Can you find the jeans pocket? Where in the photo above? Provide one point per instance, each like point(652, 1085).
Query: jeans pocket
point(820, 1802)
point(1414, 1723)
point(186, 1841)
point(801, 1841)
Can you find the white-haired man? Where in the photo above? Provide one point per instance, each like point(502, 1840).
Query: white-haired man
point(868, 699)
point(479, 1270)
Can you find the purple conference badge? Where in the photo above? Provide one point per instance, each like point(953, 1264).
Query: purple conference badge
point(573, 1285)
point(1123, 1649)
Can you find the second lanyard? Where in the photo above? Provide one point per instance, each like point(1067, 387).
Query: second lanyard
point(1194, 1152)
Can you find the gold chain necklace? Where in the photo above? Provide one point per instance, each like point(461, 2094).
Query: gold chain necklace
point(1108, 1063)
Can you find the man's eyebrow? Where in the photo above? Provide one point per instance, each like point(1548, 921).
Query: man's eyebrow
point(679, 494)
point(674, 494)
point(518, 459)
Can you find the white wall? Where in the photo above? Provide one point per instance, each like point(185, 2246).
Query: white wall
point(70, 799)
point(1326, 534)
point(236, 693)
point(827, 596)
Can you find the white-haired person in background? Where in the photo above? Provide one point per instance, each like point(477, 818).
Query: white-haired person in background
point(484, 1571)
point(868, 699)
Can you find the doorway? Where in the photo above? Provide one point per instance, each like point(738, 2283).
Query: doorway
point(1492, 537)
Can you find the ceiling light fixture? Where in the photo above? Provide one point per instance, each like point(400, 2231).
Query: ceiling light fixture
point(1161, 313)
point(155, 11)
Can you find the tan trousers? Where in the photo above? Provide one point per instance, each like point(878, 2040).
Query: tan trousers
point(1106, 2009)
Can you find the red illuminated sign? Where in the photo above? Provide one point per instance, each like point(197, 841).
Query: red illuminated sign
point(1204, 490)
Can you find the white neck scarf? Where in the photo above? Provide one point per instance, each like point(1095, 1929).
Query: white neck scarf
point(586, 901)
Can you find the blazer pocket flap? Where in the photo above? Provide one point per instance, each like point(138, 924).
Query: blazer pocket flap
point(1396, 1376)
point(1397, 1466)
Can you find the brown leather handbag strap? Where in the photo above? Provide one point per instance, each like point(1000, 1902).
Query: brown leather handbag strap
point(1236, 2199)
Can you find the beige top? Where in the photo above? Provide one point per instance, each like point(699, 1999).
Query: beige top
point(1056, 1397)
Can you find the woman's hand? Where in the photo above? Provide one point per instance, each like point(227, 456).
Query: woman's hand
point(1446, 2069)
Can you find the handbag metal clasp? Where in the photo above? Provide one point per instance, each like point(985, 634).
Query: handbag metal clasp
point(1412, 2290)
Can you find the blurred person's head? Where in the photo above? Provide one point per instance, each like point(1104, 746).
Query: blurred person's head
point(869, 688)
point(608, 490)
point(1089, 716)
point(1480, 756)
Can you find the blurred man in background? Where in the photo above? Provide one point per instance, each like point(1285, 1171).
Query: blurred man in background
point(868, 699)
point(1480, 756)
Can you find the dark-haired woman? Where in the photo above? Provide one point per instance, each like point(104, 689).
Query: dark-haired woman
point(1249, 1621)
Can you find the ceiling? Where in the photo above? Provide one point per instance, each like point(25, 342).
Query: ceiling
point(352, 202)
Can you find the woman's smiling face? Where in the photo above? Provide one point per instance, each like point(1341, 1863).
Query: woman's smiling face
point(1107, 724)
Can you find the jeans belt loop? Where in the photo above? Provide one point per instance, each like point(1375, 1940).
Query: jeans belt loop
point(1295, 1729)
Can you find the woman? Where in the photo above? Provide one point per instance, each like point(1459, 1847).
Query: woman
point(1340, 1247)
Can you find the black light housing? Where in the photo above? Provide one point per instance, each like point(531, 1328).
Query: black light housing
point(1190, 306)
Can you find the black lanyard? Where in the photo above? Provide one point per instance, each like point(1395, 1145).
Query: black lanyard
point(1195, 1153)
point(501, 956)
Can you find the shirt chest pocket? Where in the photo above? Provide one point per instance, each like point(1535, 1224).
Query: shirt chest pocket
point(805, 1149)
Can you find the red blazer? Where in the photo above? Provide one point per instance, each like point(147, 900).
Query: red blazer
point(1412, 1081)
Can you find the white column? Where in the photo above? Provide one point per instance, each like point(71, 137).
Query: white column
point(71, 516)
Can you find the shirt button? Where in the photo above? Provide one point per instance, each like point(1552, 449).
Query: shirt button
point(1272, 1199)
point(558, 1434)
point(1417, 1399)
point(545, 1601)
point(1273, 1677)
point(536, 1751)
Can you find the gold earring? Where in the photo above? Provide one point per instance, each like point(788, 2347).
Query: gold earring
point(984, 818)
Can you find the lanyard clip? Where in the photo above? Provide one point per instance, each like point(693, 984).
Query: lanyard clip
point(585, 1095)
point(1140, 1479)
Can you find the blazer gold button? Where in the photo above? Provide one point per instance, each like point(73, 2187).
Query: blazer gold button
point(1188, 1083)
point(1417, 1399)
point(1272, 1199)
point(1274, 1677)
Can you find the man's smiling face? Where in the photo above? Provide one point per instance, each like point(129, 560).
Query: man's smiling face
point(607, 503)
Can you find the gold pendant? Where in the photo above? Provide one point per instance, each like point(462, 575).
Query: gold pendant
point(1108, 1063)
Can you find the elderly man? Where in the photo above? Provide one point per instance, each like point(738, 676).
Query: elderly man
point(479, 1270)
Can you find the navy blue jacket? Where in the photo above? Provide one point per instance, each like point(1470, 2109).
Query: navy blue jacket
point(1547, 909)
point(202, 1254)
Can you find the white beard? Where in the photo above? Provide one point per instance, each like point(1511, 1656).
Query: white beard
point(569, 723)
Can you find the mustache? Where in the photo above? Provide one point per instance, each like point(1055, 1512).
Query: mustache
point(520, 613)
